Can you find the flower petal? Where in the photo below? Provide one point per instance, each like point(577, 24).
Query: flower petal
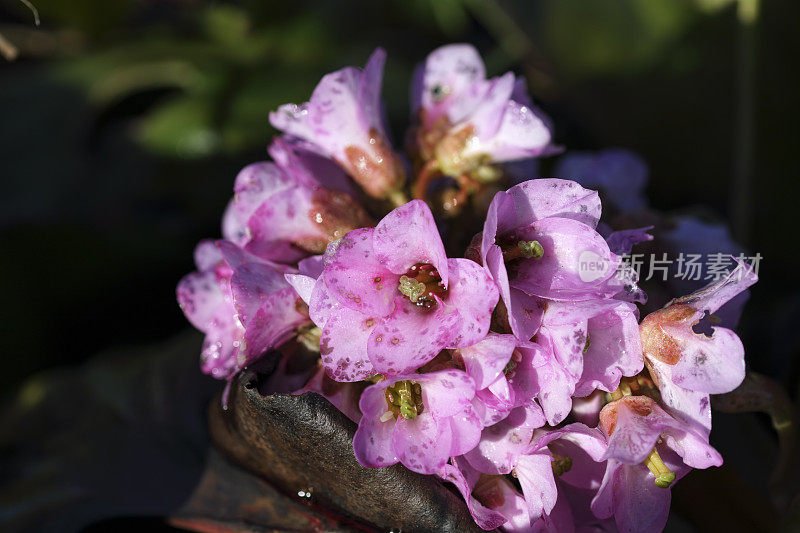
point(535, 476)
point(343, 345)
point(524, 311)
point(485, 361)
point(472, 296)
point(486, 518)
point(576, 264)
point(614, 350)
point(534, 200)
point(422, 443)
point(410, 337)
point(355, 277)
point(372, 442)
point(407, 236)
point(446, 392)
point(499, 448)
point(465, 428)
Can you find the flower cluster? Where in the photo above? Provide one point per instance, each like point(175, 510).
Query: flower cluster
point(513, 365)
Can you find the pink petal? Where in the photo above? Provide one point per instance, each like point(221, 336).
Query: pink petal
point(254, 184)
point(422, 443)
point(499, 448)
point(355, 277)
point(639, 505)
point(538, 199)
point(343, 345)
point(622, 242)
point(488, 116)
point(473, 296)
point(410, 337)
point(535, 475)
point(570, 249)
point(446, 392)
point(465, 428)
point(451, 71)
point(486, 518)
point(523, 132)
point(633, 425)
point(407, 236)
point(372, 442)
point(200, 296)
point(486, 360)
point(207, 255)
point(524, 311)
point(615, 350)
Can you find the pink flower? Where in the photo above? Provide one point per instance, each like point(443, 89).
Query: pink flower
point(420, 420)
point(502, 367)
point(343, 121)
point(492, 500)
point(242, 303)
point(285, 210)
point(688, 365)
point(467, 121)
point(647, 451)
point(535, 241)
point(389, 300)
point(555, 469)
point(592, 345)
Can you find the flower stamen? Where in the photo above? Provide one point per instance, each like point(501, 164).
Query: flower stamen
point(421, 284)
point(404, 398)
point(523, 250)
point(664, 476)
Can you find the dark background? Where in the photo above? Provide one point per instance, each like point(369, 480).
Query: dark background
point(123, 124)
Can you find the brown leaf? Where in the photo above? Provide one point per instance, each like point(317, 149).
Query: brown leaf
point(304, 445)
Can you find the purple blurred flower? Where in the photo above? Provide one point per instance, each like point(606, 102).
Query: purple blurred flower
point(688, 365)
point(286, 210)
point(343, 120)
point(420, 420)
point(620, 176)
point(389, 300)
point(242, 303)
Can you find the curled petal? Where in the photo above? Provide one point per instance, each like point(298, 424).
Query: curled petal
point(524, 311)
point(447, 78)
point(534, 200)
point(485, 517)
point(486, 360)
point(535, 476)
point(576, 264)
point(499, 448)
point(372, 442)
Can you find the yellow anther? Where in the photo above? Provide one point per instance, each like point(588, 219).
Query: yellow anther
point(531, 249)
point(664, 476)
point(412, 288)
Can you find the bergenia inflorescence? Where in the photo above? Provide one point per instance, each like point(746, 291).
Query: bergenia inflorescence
point(512, 363)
